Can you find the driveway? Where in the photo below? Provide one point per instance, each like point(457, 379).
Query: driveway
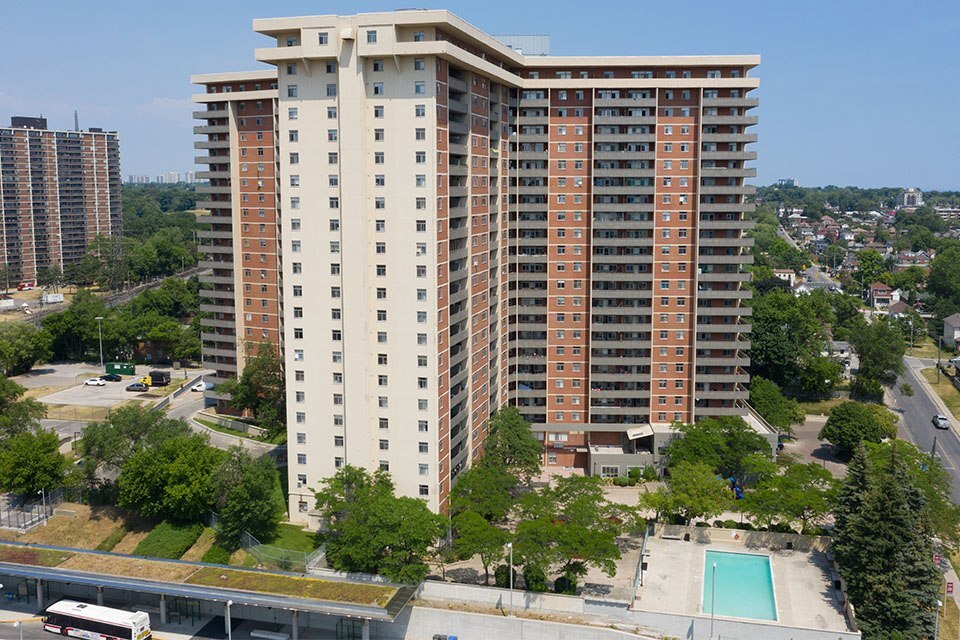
point(810, 449)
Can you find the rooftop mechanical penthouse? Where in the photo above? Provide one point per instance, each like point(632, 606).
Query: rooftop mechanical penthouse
point(461, 227)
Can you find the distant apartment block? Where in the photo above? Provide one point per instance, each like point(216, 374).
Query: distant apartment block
point(464, 227)
point(58, 191)
point(911, 198)
point(241, 277)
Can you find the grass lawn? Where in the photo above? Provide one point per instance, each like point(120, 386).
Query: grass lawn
point(86, 530)
point(34, 557)
point(824, 406)
point(366, 594)
point(290, 536)
point(928, 349)
point(949, 617)
point(226, 430)
point(130, 567)
point(946, 390)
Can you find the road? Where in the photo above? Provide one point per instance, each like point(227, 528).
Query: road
point(813, 273)
point(917, 411)
point(189, 403)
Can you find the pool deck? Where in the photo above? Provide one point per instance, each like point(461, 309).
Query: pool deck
point(673, 583)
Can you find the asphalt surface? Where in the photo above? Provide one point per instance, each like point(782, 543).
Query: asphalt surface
point(917, 411)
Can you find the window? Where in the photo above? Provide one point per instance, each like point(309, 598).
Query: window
point(418, 36)
point(294, 135)
point(371, 37)
point(292, 113)
point(419, 88)
point(323, 38)
point(378, 157)
point(331, 113)
point(421, 157)
point(301, 458)
point(291, 91)
point(378, 89)
point(420, 111)
point(424, 490)
point(419, 64)
point(294, 158)
point(378, 65)
point(331, 90)
point(423, 447)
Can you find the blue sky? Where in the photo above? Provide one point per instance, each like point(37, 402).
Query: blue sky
point(853, 92)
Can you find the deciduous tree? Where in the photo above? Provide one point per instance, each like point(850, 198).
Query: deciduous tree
point(248, 497)
point(17, 414)
point(724, 444)
point(369, 529)
point(511, 443)
point(693, 490)
point(851, 423)
point(31, 461)
point(475, 536)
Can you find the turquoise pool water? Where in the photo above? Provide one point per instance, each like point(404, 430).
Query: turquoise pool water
point(744, 584)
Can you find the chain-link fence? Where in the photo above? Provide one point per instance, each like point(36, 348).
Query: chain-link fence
point(18, 514)
point(266, 554)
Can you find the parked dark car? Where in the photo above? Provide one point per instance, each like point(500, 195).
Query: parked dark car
point(137, 386)
point(111, 377)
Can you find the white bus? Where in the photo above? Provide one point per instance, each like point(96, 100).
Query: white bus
point(92, 622)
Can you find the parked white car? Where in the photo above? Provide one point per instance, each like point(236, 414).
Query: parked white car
point(94, 382)
point(202, 386)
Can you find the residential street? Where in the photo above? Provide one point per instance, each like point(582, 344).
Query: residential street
point(917, 412)
point(189, 403)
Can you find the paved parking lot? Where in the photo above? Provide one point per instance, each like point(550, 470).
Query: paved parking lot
point(107, 396)
point(812, 450)
point(57, 375)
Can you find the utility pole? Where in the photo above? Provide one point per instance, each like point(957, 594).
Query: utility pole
point(939, 347)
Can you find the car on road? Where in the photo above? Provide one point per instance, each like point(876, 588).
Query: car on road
point(202, 386)
point(138, 386)
point(940, 421)
point(955, 362)
point(94, 382)
point(110, 377)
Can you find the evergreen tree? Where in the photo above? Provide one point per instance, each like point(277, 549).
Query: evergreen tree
point(849, 502)
point(889, 568)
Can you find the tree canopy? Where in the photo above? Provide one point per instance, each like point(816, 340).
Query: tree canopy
point(367, 528)
point(725, 444)
point(173, 480)
point(129, 429)
point(248, 497)
point(511, 444)
point(261, 388)
point(31, 461)
point(21, 346)
point(781, 412)
point(851, 423)
point(17, 414)
point(693, 490)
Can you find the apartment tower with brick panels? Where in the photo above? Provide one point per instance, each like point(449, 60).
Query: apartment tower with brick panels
point(59, 190)
point(241, 266)
point(464, 227)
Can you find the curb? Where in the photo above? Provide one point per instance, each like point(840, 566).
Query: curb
point(937, 400)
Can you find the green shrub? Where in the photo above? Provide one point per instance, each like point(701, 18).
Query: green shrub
point(168, 540)
point(731, 524)
point(621, 481)
point(534, 579)
point(216, 555)
point(565, 585)
point(501, 576)
point(718, 524)
point(781, 527)
point(632, 482)
point(649, 474)
point(112, 539)
point(634, 473)
point(702, 525)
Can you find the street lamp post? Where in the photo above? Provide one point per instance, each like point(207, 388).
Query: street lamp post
point(43, 497)
point(229, 621)
point(99, 320)
point(510, 547)
point(713, 597)
point(936, 621)
point(19, 625)
point(939, 347)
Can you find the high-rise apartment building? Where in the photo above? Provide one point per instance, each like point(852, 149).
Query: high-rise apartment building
point(464, 227)
point(59, 190)
point(241, 290)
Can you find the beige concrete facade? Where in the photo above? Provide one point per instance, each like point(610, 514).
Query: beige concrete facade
point(464, 227)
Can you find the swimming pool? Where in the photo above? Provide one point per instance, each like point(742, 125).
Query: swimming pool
point(744, 585)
